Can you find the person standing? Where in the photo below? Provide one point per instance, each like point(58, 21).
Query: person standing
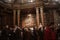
point(47, 33)
point(0, 33)
point(26, 34)
point(41, 32)
point(18, 33)
point(35, 32)
point(5, 33)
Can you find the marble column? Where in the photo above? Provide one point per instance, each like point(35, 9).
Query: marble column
point(37, 15)
point(14, 17)
point(18, 17)
point(55, 19)
point(42, 15)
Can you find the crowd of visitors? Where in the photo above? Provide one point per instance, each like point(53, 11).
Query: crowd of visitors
point(16, 33)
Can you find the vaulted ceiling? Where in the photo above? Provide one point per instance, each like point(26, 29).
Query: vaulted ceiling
point(21, 4)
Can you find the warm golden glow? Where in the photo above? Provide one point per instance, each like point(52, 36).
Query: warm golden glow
point(29, 21)
point(9, 0)
point(29, 15)
point(30, 0)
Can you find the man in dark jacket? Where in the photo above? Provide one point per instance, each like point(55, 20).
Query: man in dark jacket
point(0, 33)
point(41, 34)
point(5, 33)
point(12, 34)
point(18, 34)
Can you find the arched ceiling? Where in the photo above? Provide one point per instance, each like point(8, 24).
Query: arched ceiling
point(26, 1)
point(20, 4)
point(18, 1)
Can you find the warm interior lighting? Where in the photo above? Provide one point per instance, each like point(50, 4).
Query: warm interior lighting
point(29, 20)
point(31, 0)
point(29, 15)
point(31, 28)
point(56, 0)
point(9, 0)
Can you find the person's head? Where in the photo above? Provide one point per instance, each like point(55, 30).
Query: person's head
point(7, 26)
point(40, 25)
point(11, 28)
point(26, 29)
point(31, 29)
point(51, 25)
